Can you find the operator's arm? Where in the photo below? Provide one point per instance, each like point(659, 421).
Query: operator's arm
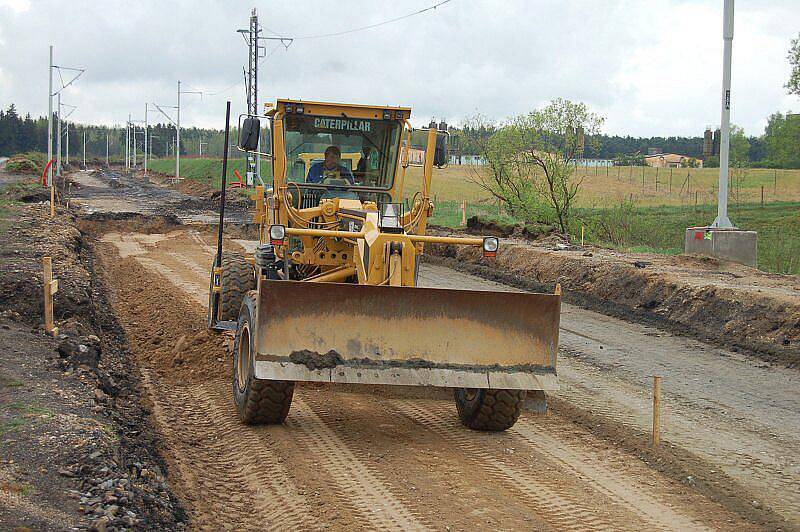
point(314, 173)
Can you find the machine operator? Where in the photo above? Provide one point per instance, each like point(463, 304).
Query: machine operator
point(330, 167)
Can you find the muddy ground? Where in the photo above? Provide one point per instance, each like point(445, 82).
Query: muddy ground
point(358, 457)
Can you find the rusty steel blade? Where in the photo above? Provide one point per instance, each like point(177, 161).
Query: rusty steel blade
point(382, 327)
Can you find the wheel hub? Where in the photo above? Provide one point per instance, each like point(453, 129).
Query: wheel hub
point(243, 358)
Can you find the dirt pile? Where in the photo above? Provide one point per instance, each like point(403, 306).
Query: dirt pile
point(29, 163)
point(727, 304)
point(533, 231)
point(32, 236)
point(101, 222)
point(196, 355)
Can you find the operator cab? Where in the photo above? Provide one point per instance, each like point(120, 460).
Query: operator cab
point(348, 155)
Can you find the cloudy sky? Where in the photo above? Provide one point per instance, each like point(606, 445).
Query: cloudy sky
point(651, 67)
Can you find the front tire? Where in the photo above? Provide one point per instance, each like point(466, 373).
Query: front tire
point(236, 280)
point(258, 401)
point(490, 410)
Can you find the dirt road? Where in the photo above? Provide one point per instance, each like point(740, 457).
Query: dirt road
point(388, 458)
point(738, 414)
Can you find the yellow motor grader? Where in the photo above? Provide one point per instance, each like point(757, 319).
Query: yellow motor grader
point(330, 293)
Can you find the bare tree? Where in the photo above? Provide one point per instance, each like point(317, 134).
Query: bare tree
point(530, 160)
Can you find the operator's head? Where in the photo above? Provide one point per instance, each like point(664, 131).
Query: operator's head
point(332, 157)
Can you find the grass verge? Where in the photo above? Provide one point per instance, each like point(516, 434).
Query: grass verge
point(661, 229)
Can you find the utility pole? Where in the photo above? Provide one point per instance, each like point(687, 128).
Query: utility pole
point(255, 51)
point(177, 124)
point(722, 239)
point(58, 140)
point(107, 165)
point(84, 149)
point(722, 219)
point(201, 147)
point(49, 181)
point(145, 139)
point(252, 92)
point(178, 135)
point(79, 71)
point(128, 143)
point(66, 127)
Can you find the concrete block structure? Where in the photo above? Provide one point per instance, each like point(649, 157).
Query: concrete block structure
point(729, 244)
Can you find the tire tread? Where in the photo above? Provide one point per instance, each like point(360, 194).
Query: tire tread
point(497, 409)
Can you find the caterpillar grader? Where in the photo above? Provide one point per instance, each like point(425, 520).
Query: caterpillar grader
point(330, 292)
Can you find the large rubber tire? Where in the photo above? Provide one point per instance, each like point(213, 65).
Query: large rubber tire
point(258, 402)
point(491, 410)
point(236, 280)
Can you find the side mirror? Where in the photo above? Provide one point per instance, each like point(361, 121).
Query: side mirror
point(440, 155)
point(248, 134)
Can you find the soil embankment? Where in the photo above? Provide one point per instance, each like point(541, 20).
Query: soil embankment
point(725, 303)
point(77, 446)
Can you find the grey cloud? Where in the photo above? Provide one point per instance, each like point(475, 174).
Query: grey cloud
point(501, 58)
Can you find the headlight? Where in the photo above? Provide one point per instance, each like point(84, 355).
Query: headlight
point(490, 245)
point(277, 235)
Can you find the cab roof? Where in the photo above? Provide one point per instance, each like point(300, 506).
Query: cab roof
point(337, 109)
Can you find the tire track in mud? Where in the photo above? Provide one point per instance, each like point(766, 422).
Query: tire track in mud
point(195, 235)
point(767, 471)
point(361, 484)
point(603, 479)
point(248, 488)
point(546, 498)
point(192, 289)
point(231, 472)
point(635, 500)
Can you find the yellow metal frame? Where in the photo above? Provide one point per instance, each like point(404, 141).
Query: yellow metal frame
point(371, 256)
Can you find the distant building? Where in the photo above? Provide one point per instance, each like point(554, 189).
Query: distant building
point(654, 151)
point(671, 160)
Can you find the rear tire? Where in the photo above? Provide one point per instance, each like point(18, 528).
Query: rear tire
point(491, 410)
point(257, 401)
point(236, 280)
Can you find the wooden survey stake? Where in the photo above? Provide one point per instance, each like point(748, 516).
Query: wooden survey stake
point(50, 288)
point(656, 410)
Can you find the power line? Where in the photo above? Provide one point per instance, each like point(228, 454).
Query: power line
point(362, 28)
point(226, 89)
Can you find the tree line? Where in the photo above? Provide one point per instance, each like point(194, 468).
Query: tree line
point(778, 147)
point(20, 134)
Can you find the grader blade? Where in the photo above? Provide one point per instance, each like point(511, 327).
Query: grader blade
point(407, 336)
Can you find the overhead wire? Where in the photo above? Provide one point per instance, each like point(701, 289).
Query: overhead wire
point(371, 26)
point(323, 35)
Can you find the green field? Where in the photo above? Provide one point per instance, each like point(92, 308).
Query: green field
point(619, 211)
point(208, 171)
point(661, 229)
point(601, 186)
